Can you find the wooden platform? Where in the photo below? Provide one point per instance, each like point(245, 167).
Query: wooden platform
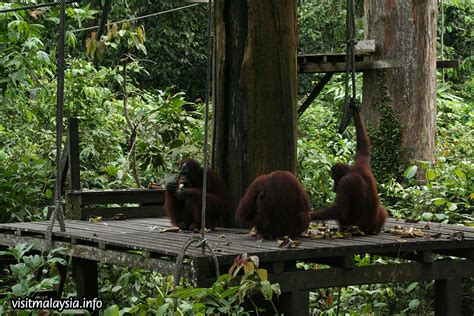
point(139, 242)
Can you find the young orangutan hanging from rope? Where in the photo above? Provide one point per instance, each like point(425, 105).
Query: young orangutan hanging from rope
point(357, 199)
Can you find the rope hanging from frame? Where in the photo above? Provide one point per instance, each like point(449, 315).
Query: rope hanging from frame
point(350, 65)
point(58, 207)
point(103, 19)
point(202, 241)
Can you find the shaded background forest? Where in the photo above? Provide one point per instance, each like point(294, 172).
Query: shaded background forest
point(165, 57)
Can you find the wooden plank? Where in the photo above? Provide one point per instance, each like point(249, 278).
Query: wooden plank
point(402, 272)
point(447, 64)
point(314, 93)
point(326, 57)
point(83, 235)
point(268, 254)
point(360, 66)
point(128, 212)
point(142, 241)
point(446, 228)
point(120, 196)
point(234, 243)
point(365, 47)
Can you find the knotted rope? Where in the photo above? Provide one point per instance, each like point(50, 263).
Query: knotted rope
point(58, 207)
point(202, 241)
point(350, 65)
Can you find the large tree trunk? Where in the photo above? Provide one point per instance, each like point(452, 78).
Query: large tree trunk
point(255, 91)
point(404, 31)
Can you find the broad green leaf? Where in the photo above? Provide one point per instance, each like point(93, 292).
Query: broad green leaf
point(112, 311)
point(460, 173)
point(412, 286)
point(410, 172)
point(430, 175)
point(427, 216)
point(452, 206)
point(267, 290)
point(414, 304)
point(48, 194)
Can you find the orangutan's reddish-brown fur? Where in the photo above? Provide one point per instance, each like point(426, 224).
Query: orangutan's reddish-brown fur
point(357, 199)
point(276, 204)
point(183, 197)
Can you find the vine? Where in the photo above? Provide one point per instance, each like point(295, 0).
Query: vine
point(386, 139)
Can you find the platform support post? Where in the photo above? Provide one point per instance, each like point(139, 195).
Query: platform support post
point(294, 303)
point(448, 297)
point(86, 277)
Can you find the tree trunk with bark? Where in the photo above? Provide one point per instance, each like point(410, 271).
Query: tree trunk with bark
point(404, 31)
point(254, 92)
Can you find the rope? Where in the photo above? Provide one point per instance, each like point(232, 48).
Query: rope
point(206, 120)
point(350, 65)
point(140, 17)
point(441, 2)
point(58, 202)
point(103, 19)
point(36, 6)
point(202, 241)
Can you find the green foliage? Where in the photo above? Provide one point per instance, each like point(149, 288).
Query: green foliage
point(176, 44)
point(378, 299)
point(117, 43)
point(165, 133)
point(22, 52)
point(320, 145)
point(22, 278)
point(157, 295)
point(458, 38)
point(447, 195)
point(321, 28)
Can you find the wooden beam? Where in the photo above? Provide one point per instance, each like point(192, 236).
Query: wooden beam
point(314, 94)
point(447, 64)
point(121, 196)
point(128, 212)
point(293, 303)
point(405, 272)
point(365, 47)
point(326, 67)
point(448, 297)
point(85, 274)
